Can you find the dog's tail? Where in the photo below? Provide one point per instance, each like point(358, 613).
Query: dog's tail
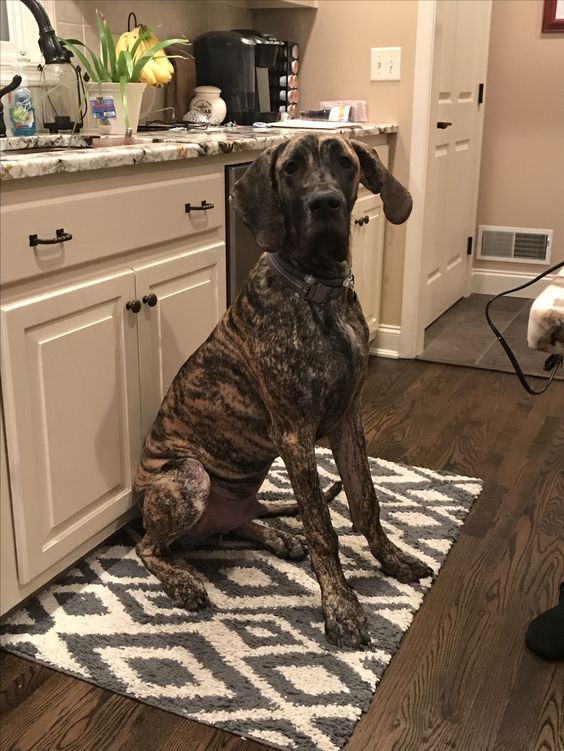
point(290, 508)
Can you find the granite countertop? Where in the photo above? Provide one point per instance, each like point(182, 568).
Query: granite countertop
point(80, 153)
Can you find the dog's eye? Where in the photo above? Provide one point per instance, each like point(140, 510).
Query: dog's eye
point(345, 162)
point(290, 167)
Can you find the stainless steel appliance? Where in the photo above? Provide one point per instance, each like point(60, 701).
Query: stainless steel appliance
point(242, 250)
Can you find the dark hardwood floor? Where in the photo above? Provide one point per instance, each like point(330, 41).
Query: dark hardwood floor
point(462, 678)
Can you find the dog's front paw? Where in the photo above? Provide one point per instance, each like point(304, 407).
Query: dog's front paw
point(402, 566)
point(345, 621)
point(289, 546)
point(187, 594)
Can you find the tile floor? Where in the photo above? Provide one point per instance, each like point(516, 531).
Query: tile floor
point(461, 336)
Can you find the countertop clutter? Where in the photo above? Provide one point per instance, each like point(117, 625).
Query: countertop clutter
point(40, 155)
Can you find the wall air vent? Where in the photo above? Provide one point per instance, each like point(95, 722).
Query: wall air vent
point(514, 244)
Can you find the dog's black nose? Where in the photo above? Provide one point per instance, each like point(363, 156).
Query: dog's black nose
point(324, 203)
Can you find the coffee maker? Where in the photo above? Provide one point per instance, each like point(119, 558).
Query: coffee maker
point(240, 63)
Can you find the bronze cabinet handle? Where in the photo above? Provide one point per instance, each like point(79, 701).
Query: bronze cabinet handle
point(363, 220)
point(61, 237)
point(442, 124)
point(204, 206)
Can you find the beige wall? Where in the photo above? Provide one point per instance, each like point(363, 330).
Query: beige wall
point(522, 172)
point(335, 42)
point(77, 18)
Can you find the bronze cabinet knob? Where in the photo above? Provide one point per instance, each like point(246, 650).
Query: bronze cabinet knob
point(151, 300)
point(133, 305)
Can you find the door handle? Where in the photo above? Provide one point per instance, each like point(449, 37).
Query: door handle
point(442, 124)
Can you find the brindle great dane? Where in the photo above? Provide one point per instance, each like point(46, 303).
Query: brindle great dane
point(284, 367)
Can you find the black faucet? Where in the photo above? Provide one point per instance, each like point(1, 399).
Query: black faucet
point(51, 49)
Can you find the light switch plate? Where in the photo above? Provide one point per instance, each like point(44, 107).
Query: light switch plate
point(385, 63)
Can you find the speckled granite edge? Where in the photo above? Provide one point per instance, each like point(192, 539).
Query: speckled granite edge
point(150, 149)
point(61, 140)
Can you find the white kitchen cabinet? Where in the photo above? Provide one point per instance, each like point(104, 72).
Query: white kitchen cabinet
point(367, 250)
point(71, 408)
point(83, 377)
point(82, 374)
point(189, 299)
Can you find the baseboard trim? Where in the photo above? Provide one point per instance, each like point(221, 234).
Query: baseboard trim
point(386, 343)
point(494, 281)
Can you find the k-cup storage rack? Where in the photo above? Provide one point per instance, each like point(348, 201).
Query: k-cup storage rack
point(284, 80)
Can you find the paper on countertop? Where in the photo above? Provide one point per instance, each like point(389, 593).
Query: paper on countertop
point(314, 124)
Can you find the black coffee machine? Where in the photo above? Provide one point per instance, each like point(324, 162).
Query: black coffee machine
point(240, 62)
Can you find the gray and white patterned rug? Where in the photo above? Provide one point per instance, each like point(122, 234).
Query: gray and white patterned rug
point(256, 663)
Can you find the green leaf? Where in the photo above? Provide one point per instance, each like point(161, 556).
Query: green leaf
point(142, 36)
point(100, 68)
point(124, 100)
point(125, 66)
point(92, 71)
point(141, 62)
point(101, 74)
point(110, 49)
point(102, 38)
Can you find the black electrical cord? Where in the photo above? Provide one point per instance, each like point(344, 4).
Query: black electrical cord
point(553, 362)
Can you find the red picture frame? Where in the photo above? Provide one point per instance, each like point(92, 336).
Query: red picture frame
point(553, 16)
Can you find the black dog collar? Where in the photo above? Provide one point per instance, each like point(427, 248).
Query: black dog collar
point(311, 288)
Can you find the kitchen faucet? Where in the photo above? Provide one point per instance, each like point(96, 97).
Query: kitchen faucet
point(51, 49)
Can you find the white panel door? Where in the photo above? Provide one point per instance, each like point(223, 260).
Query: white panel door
point(460, 55)
point(190, 290)
point(72, 412)
point(367, 251)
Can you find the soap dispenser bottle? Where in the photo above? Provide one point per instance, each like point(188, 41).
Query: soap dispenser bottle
point(22, 111)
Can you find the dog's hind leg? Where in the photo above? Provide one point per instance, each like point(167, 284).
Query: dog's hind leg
point(173, 501)
point(281, 544)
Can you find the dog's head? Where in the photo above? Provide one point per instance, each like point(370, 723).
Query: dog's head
point(299, 195)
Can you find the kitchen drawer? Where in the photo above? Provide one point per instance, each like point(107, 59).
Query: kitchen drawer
point(106, 222)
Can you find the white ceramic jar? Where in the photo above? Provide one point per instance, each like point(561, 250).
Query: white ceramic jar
point(207, 100)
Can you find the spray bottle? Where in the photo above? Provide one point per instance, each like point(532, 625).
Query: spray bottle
point(22, 111)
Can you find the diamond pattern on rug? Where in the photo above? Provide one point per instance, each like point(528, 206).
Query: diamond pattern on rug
point(256, 663)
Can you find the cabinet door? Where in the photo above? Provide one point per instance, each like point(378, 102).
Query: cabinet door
point(191, 291)
point(72, 413)
point(367, 249)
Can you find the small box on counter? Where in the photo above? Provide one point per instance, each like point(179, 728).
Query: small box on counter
point(357, 109)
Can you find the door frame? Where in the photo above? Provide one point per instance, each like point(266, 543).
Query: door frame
point(412, 330)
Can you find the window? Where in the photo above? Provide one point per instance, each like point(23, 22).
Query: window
point(4, 28)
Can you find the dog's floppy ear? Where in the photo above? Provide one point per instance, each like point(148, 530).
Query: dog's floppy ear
point(256, 200)
point(374, 176)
